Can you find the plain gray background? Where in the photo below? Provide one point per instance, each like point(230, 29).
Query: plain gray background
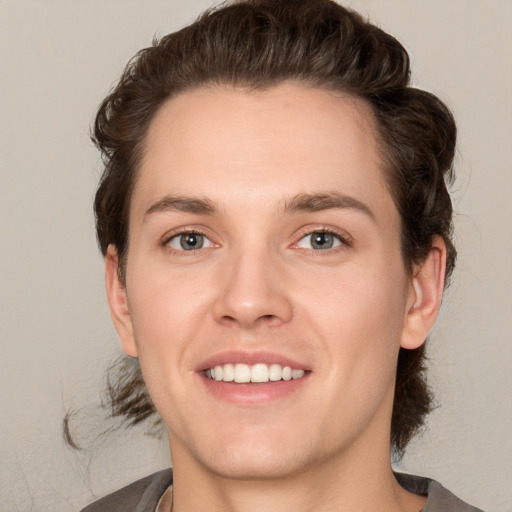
point(58, 60)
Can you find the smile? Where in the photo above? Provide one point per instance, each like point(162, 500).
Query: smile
point(257, 373)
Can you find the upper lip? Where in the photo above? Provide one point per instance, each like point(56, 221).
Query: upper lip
point(247, 357)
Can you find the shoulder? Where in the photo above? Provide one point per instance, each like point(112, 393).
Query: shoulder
point(140, 496)
point(439, 499)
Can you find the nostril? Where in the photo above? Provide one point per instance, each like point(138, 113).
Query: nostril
point(268, 309)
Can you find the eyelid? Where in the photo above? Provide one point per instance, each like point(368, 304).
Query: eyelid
point(177, 232)
point(346, 240)
point(344, 237)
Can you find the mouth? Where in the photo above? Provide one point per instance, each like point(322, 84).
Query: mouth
point(253, 378)
point(259, 373)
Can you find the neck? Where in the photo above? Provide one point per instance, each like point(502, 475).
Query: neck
point(336, 484)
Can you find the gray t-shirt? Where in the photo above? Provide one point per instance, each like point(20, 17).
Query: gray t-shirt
point(144, 495)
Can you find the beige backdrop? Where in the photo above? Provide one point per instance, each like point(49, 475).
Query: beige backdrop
point(58, 59)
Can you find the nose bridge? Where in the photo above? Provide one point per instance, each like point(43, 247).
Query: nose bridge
point(253, 289)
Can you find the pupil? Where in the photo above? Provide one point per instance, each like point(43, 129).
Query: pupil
point(191, 241)
point(322, 241)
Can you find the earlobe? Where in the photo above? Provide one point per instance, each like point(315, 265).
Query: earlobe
point(118, 303)
point(426, 292)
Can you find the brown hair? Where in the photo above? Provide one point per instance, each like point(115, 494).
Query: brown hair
point(257, 44)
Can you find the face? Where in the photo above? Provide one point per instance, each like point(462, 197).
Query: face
point(266, 296)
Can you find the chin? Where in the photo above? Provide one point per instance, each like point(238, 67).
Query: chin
point(249, 456)
point(258, 465)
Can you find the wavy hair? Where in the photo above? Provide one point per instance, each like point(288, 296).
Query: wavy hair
point(257, 44)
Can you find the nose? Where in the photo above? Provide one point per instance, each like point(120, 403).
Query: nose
point(253, 292)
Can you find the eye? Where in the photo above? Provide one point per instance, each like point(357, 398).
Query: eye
point(189, 241)
point(320, 241)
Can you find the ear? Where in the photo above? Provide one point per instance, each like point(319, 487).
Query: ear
point(118, 302)
point(425, 294)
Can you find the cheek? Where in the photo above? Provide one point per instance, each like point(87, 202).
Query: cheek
point(163, 308)
point(358, 313)
point(359, 296)
point(165, 314)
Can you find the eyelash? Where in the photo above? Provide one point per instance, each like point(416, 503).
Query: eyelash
point(343, 239)
point(182, 252)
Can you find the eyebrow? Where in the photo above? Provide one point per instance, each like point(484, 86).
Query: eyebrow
point(326, 201)
point(182, 204)
point(314, 202)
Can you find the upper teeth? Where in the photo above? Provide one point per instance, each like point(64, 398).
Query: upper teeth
point(260, 372)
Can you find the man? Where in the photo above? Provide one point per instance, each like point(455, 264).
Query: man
point(276, 228)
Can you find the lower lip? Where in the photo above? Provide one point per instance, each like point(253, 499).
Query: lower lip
point(248, 394)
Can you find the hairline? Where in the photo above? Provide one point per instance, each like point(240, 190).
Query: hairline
point(385, 160)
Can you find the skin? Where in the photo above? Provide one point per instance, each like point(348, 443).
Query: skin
point(259, 285)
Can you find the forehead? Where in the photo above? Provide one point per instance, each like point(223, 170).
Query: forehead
point(289, 139)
